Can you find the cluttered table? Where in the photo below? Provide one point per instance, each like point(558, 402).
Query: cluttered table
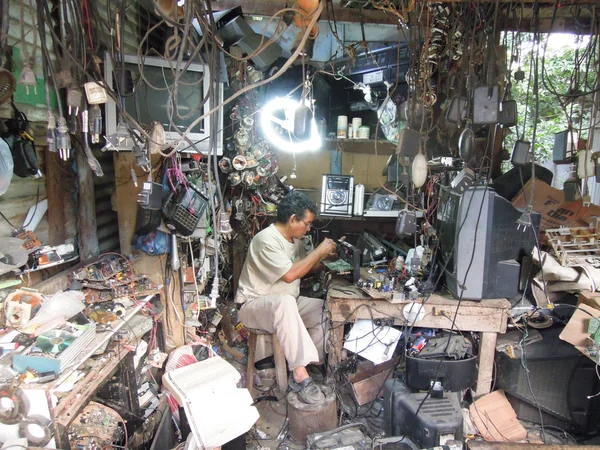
point(65, 347)
point(348, 303)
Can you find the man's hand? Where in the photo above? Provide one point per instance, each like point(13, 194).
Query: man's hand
point(326, 248)
point(312, 260)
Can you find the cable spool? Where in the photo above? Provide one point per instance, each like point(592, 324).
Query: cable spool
point(36, 429)
point(12, 407)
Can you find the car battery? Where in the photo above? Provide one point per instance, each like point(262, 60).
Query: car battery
point(430, 422)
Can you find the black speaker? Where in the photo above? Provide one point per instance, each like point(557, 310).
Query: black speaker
point(561, 379)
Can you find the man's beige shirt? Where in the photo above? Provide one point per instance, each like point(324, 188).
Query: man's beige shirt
point(270, 256)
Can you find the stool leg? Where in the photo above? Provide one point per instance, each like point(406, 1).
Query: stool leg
point(280, 365)
point(250, 367)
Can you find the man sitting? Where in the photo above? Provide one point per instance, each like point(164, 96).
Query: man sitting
point(269, 288)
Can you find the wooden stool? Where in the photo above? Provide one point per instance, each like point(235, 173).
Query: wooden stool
point(280, 366)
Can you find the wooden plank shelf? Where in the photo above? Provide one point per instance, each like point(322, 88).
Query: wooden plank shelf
point(364, 146)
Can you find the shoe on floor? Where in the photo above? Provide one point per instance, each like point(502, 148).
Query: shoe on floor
point(307, 390)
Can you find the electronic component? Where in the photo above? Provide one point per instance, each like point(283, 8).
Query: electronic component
point(74, 97)
point(148, 220)
point(508, 113)
point(95, 123)
point(120, 141)
point(438, 420)
point(150, 196)
point(190, 166)
point(183, 208)
point(63, 140)
point(409, 142)
point(336, 195)
point(463, 181)
point(371, 248)
point(406, 225)
point(351, 255)
point(457, 111)
point(560, 152)
point(521, 155)
point(486, 104)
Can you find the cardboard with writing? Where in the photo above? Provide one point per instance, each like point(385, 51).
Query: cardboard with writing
point(555, 211)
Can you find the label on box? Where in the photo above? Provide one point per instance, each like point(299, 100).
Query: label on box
point(373, 77)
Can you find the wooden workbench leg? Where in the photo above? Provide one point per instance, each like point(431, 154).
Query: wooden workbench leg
point(336, 334)
point(487, 351)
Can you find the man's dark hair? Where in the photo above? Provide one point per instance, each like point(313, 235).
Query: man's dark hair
point(294, 203)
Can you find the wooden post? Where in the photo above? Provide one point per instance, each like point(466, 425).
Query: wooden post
point(487, 351)
point(336, 334)
point(55, 195)
point(239, 257)
point(86, 211)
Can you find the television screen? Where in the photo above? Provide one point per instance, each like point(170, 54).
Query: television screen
point(153, 87)
point(153, 93)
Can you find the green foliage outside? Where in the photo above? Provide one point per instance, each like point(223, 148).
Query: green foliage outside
point(564, 71)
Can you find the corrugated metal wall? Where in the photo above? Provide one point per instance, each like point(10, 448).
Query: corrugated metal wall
point(22, 192)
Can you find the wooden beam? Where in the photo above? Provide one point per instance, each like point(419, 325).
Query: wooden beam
point(86, 211)
point(270, 7)
point(482, 445)
point(55, 195)
point(541, 2)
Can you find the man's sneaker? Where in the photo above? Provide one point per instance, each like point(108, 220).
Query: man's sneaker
point(307, 390)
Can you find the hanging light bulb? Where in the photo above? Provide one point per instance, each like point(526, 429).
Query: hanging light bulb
point(28, 78)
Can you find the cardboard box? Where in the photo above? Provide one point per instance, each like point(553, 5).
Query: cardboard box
point(589, 298)
point(576, 332)
point(555, 211)
point(496, 419)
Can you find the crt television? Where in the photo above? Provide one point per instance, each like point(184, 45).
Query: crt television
point(481, 225)
point(150, 103)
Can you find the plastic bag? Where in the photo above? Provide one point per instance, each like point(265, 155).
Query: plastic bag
point(153, 243)
point(6, 166)
point(388, 120)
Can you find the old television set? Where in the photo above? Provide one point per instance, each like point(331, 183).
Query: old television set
point(150, 103)
point(482, 244)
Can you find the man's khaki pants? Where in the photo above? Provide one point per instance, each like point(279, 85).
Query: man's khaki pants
point(300, 326)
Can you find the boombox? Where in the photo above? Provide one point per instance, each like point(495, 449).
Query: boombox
point(336, 195)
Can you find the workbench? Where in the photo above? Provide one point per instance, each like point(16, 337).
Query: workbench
point(347, 303)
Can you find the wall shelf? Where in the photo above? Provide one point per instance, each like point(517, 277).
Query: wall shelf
point(364, 146)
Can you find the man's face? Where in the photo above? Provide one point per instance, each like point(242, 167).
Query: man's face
point(299, 227)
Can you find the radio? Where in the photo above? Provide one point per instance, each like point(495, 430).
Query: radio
point(336, 195)
point(184, 208)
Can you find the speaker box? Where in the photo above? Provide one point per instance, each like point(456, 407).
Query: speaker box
point(561, 379)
